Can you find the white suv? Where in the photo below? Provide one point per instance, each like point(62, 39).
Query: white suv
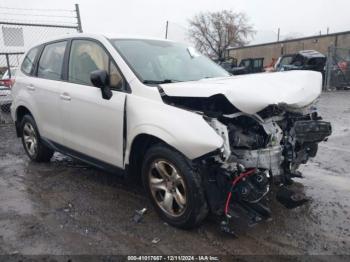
point(201, 139)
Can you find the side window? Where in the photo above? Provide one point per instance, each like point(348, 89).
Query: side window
point(257, 63)
point(245, 63)
point(87, 56)
point(287, 60)
point(28, 61)
point(51, 61)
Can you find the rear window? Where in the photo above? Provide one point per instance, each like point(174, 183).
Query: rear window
point(28, 62)
point(51, 61)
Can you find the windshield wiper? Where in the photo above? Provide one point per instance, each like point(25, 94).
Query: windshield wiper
point(156, 82)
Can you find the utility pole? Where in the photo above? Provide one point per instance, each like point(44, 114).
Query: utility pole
point(80, 28)
point(278, 35)
point(327, 30)
point(166, 29)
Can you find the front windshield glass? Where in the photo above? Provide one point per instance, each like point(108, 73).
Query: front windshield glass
point(156, 61)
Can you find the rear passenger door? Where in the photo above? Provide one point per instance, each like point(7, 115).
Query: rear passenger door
point(92, 125)
point(46, 88)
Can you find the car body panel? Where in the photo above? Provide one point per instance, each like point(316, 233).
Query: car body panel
point(91, 124)
point(46, 95)
point(252, 93)
point(177, 127)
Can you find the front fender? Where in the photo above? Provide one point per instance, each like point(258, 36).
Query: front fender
point(184, 130)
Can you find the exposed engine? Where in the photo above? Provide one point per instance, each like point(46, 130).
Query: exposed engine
point(259, 151)
point(271, 149)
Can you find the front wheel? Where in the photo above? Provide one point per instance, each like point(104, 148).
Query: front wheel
point(174, 187)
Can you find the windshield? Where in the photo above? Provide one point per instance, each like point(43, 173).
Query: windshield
point(156, 61)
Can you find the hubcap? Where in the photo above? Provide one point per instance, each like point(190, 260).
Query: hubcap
point(168, 188)
point(30, 139)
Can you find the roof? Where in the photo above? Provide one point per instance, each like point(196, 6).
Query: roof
point(311, 53)
point(290, 40)
point(96, 36)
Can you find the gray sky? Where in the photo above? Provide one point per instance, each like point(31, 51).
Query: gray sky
point(147, 17)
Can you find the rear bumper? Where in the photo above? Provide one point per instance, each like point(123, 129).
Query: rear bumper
point(5, 97)
point(5, 100)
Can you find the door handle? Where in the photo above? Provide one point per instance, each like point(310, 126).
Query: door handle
point(65, 97)
point(31, 87)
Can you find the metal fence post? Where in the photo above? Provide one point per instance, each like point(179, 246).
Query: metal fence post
point(80, 28)
point(329, 67)
point(8, 64)
point(17, 35)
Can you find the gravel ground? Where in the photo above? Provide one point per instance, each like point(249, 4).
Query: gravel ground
point(66, 207)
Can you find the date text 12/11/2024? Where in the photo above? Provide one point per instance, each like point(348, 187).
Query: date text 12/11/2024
point(173, 258)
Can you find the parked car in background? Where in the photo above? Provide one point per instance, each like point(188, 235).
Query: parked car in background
point(8, 77)
point(249, 66)
point(227, 63)
point(6, 82)
point(199, 139)
point(246, 66)
point(302, 60)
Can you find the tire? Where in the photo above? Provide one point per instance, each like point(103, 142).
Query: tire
point(183, 190)
point(31, 141)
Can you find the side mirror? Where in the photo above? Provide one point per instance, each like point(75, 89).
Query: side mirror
point(100, 79)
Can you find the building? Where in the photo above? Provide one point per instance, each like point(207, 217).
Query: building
point(271, 51)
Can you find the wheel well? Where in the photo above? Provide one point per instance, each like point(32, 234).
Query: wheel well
point(20, 113)
point(139, 147)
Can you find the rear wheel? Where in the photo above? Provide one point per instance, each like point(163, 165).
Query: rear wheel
point(31, 141)
point(174, 187)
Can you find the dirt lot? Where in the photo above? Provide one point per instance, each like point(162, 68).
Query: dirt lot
point(66, 207)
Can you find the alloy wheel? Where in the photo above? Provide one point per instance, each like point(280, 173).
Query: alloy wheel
point(168, 187)
point(30, 139)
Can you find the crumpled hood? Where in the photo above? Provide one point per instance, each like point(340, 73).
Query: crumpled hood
point(252, 93)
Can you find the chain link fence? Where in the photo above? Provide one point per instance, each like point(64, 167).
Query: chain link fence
point(20, 29)
point(9, 63)
point(338, 69)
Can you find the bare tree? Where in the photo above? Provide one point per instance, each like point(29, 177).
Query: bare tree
point(213, 32)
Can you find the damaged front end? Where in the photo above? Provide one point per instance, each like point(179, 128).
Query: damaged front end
point(259, 150)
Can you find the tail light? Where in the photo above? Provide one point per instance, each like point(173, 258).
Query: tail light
point(7, 82)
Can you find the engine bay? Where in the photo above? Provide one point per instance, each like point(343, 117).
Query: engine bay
point(261, 151)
